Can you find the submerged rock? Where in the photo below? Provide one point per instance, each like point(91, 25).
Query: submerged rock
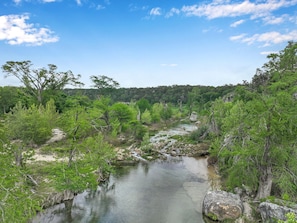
point(221, 205)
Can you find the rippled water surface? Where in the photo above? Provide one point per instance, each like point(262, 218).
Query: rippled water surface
point(159, 192)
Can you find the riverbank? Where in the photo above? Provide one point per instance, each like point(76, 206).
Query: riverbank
point(163, 145)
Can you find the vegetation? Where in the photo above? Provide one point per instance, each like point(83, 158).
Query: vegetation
point(255, 132)
point(37, 81)
point(252, 127)
point(291, 218)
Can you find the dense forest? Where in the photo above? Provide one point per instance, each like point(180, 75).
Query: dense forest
point(251, 128)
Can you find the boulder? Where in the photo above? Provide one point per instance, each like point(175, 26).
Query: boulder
point(57, 135)
point(193, 117)
point(57, 198)
point(221, 205)
point(270, 212)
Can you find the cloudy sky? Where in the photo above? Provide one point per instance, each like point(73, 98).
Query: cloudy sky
point(147, 43)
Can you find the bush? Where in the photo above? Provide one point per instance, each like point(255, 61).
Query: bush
point(291, 218)
point(197, 134)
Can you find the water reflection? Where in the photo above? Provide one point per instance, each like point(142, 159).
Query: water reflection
point(160, 192)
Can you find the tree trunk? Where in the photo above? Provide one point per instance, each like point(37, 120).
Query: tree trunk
point(18, 154)
point(71, 155)
point(265, 182)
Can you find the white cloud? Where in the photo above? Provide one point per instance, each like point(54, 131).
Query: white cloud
point(237, 23)
point(267, 38)
point(272, 20)
point(238, 37)
point(48, 1)
point(222, 8)
point(15, 30)
point(100, 7)
point(169, 65)
point(212, 29)
point(268, 52)
point(172, 12)
point(17, 1)
point(155, 11)
point(78, 2)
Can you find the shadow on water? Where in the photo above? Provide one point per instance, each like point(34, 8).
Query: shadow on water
point(159, 192)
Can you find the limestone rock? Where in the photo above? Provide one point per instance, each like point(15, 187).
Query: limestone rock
point(58, 197)
point(221, 205)
point(270, 211)
point(57, 135)
point(193, 117)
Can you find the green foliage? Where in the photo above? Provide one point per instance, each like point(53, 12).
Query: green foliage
point(291, 218)
point(143, 104)
point(166, 112)
point(146, 117)
point(17, 202)
point(32, 125)
point(145, 144)
point(156, 112)
point(75, 122)
point(122, 113)
point(9, 96)
point(104, 84)
point(90, 163)
point(37, 81)
point(197, 134)
point(257, 131)
point(138, 130)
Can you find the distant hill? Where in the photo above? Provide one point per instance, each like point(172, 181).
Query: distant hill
point(169, 94)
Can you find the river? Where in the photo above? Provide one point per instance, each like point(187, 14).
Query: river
point(168, 191)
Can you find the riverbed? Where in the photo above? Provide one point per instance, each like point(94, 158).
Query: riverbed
point(168, 191)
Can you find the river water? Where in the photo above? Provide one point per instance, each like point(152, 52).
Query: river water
point(168, 191)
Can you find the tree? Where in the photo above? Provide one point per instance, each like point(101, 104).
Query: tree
point(76, 124)
point(104, 84)
point(37, 81)
point(146, 117)
point(17, 202)
point(89, 165)
point(28, 126)
point(9, 97)
point(123, 114)
point(257, 147)
point(143, 104)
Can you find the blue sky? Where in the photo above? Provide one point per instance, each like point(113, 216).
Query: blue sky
point(147, 43)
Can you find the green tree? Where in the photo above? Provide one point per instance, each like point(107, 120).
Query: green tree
point(122, 113)
point(17, 202)
point(28, 126)
point(9, 97)
point(75, 122)
point(146, 117)
point(156, 112)
point(143, 104)
point(90, 165)
point(104, 84)
point(36, 81)
point(258, 147)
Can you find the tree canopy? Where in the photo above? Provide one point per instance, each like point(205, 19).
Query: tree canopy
point(256, 131)
point(36, 81)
